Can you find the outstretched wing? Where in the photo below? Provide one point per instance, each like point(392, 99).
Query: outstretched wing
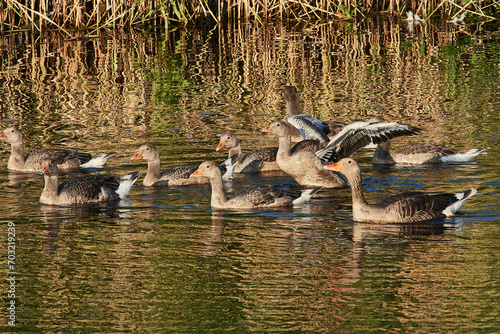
point(359, 134)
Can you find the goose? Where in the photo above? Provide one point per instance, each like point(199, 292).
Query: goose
point(408, 207)
point(32, 162)
point(256, 161)
point(325, 129)
point(83, 190)
point(421, 153)
point(304, 162)
point(252, 198)
point(174, 176)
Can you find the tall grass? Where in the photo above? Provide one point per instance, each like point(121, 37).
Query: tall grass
point(95, 14)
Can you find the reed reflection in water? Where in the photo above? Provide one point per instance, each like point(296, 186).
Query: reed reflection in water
point(166, 262)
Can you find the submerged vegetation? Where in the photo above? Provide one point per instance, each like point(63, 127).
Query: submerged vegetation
point(96, 14)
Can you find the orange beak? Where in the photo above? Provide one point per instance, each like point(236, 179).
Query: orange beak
point(221, 145)
point(137, 156)
point(197, 173)
point(336, 167)
point(267, 129)
point(45, 168)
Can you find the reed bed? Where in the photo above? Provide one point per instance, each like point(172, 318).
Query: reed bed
point(97, 14)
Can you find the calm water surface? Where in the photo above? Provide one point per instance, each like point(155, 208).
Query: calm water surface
point(163, 261)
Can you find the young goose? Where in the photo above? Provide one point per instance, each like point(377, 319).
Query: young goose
point(258, 197)
point(256, 161)
point(83, 190)
point(304, 161)
point(421, 153)
point(32, 162)
point(174, 176)
point(408, 207)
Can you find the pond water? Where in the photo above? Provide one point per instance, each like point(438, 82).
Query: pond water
point(164, 261)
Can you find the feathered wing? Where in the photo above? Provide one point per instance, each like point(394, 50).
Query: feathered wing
point(179, 172)
point(359, 134)
point(266, 154)
point(310, 127)
point(90, 189)
point(262, 196)
point(419, 206)
point(422, 148)
point(59, 156)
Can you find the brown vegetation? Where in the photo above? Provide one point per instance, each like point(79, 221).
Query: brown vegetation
point(98, 14)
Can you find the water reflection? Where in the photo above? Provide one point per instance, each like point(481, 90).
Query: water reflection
point(165, 261)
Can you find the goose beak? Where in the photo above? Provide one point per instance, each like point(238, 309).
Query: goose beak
point(336, 166)
point(197, 173)
point(45, 168)
point(3, 135)
point(220, 146)
point(267, 129)
point(137, 156)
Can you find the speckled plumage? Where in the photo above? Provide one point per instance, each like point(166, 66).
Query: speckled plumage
point(422, 153)
point(83, 190)
point(32, 162)
point(407, 207)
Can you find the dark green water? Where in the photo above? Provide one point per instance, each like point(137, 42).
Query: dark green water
point(165, 262)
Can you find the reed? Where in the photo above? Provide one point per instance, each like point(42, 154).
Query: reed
point(97, 14)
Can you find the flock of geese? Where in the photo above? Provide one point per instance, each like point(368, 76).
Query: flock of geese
point(314, 153)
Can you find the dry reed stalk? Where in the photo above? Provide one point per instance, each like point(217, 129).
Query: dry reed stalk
point(92, 13)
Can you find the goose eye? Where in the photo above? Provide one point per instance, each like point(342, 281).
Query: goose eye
point(228, 137)
point(147, 149)
point(349, 162)
point(277, 124)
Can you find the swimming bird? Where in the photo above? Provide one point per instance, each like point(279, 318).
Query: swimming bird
point(83, 190)
point(252, 198)
point(421, 153)
point(174, 176)
point(408, 207)
point(304, 162)
point(256, 161)
point(32, 162)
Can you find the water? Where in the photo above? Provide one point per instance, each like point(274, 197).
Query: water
point(163, 261)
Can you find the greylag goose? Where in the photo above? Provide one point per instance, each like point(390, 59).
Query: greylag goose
point(304, 161)
point(408, 207)
point(174, 176)
point(258, 197)
point(325, 129)
point(83, 190)
point(256, 161)
point(421, 153)
point(32, 162)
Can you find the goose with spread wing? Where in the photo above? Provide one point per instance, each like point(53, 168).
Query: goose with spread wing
point(408, 207)
point(256, 161)
point(83, 190)
point(252, 198)
point(32, 162)
point(421, 153)
point(304, 162)
point(174, 176)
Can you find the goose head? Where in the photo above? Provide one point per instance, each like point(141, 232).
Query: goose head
point(347, 166)
point(278, 128)
point(12, 135)
point(147, 152)
point(208, 169)
point(228, 140)
point(49, 167)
